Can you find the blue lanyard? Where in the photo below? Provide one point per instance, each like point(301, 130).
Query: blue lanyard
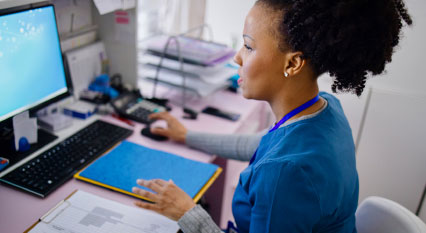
point(295, 112)
point(288, 116)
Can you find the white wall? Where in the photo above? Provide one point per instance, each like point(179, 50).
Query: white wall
point(226, 19)
point(391, 153)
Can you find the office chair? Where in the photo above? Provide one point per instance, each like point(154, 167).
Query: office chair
point(380, 215)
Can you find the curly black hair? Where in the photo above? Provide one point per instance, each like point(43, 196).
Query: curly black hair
point(347, 38)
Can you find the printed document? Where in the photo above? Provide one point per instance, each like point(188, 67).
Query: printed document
point(84, 212)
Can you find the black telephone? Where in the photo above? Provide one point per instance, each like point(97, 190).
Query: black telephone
point(133, 106)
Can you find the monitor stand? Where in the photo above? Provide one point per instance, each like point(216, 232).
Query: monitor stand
point(7, 148)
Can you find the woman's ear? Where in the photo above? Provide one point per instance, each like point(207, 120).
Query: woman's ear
point(293, 64)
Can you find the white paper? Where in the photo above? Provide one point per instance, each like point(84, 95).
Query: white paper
point(21, 117)
point(128, 4)
point(61, 206)
point(85, 64)
point(107, 6)
point(88, 213)
point(24, 126)
point(31, 126)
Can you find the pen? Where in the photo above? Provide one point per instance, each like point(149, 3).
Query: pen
point(129, 122)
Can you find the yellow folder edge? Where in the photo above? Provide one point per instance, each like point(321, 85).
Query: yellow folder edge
point(207, 185)
point(196, 197)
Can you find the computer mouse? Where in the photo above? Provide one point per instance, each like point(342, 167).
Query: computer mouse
point(147, 133)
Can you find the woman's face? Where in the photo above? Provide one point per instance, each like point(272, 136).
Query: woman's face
point(261, 62)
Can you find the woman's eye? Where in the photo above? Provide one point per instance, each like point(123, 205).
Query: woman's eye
point(248, 47)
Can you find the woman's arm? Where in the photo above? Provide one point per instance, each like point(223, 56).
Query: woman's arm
point(197, 220)
point(231, 146)
point(239, 146)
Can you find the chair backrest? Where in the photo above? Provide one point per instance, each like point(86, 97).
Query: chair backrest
point(381, 215)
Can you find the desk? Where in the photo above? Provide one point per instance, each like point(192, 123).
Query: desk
point(19, 210)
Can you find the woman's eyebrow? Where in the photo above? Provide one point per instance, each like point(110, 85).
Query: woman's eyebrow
point(247, 36)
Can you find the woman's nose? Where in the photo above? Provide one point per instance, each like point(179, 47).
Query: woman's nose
point(237, 58)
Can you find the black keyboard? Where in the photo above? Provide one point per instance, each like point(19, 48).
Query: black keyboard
point(50, 169)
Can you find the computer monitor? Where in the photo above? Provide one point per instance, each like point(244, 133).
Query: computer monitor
point(32, 73)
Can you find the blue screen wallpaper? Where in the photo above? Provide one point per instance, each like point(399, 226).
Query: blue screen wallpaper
point(31, 67)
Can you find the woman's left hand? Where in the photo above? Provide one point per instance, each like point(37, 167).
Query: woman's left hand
point(170, 200)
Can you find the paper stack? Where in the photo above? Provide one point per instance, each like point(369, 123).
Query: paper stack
point(205, 64)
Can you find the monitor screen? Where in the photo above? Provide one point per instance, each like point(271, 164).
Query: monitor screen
point(31, 66)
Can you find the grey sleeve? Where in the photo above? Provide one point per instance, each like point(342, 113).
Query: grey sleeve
point(197, 220)
point(231, 146)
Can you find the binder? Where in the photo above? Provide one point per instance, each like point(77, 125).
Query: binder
point(120, 168)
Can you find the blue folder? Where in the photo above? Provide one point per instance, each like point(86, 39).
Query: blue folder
point(120, 168)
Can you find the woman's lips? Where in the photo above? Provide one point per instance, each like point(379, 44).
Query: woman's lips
point(240, 80)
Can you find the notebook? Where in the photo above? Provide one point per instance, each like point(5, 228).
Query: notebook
point(120, 168)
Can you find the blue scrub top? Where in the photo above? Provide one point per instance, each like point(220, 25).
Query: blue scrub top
point(303, 178)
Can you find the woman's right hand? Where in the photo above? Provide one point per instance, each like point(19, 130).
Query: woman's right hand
point(175, 130)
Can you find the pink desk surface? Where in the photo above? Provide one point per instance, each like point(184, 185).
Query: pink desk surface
point(19, 210)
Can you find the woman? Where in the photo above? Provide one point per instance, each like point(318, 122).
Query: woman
point(302, 177)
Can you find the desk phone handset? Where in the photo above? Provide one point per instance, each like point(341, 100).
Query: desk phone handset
point(133, 106)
